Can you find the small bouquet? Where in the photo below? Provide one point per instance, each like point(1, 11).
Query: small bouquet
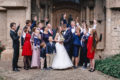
point(2, 48)
point(62, 39)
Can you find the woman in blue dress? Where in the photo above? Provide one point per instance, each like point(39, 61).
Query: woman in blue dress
point(76, 46)
point(45, 38)
point(45, 35)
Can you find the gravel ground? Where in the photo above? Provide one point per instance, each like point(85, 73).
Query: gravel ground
point(37, 74)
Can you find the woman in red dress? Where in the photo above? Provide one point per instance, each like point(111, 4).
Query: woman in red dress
point(91, 48)
point(27, 50)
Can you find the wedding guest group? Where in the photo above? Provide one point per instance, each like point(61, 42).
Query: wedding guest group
point(71, 45)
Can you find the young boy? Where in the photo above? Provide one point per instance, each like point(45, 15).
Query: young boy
point(42, 54)
point(50, 50)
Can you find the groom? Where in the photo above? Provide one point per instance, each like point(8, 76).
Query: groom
point(68, 40)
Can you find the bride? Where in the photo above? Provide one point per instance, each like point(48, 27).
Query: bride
point(61, 59)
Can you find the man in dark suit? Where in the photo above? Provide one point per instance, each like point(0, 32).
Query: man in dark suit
point(51, 31)
point(83, 53)
point(68, 40)
point(15, 38)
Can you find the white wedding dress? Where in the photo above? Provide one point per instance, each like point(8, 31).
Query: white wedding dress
point(61, 59)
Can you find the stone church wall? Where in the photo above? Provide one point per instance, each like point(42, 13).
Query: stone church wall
point(106, 11)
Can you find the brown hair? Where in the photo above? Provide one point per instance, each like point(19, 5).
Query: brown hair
point(58, 30)
point(95, 40)
point(42, 44)
point(12, 24)
point(25, 29)
point(39, 23)
point(28, 21)
point(33, 30)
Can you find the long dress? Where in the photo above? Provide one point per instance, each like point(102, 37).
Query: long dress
point(90, 53)
point(27, 50)
point(36, 51)
point(61, 59)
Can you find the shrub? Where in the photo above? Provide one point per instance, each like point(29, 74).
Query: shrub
point(1, 78)
point(2, 47)
point(109, 66)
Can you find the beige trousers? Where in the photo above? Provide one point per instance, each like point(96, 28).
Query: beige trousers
point(49, 58)
point(42, 62)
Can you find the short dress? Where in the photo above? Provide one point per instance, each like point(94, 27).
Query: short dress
point(27, 50)
point(90, 53)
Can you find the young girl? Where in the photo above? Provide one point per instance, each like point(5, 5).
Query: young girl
point(91, 46)
point(36, 37)
point(42, 54)
point(27, 51)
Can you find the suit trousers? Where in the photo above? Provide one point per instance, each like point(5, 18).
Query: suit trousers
point(83, 56)
point(49, 59)
point(15, 57)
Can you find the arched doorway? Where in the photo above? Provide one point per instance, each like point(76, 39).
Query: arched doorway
point(70, 7)
point(57, 15)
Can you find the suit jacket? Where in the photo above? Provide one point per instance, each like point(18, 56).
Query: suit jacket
point(43, 52)
point(54, 33)
point(84, 43)
point(77, 39)
point(50, 48)
point(68, 37)
point(15, 37)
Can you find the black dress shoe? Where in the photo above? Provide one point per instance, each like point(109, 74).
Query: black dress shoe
point(47, 68)
point(26, 68)
point(19, 67)
point(16, 70)
point(75, 67)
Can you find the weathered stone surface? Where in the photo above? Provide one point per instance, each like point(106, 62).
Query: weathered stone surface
point(20, 10)
point(37, 74)
point(2, 9)
point(13, 3)
point(113, 3)
point(19, 16)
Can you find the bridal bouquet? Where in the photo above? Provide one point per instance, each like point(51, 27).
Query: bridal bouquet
point(62, 39)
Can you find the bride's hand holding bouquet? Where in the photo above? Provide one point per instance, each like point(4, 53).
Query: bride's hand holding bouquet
point(61, 40)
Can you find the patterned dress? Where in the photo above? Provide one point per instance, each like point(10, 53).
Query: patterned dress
point(36, 51)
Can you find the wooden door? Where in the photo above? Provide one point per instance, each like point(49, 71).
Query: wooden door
point(57, 15)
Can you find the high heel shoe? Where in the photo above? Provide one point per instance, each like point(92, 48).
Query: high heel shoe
point(92, 70)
